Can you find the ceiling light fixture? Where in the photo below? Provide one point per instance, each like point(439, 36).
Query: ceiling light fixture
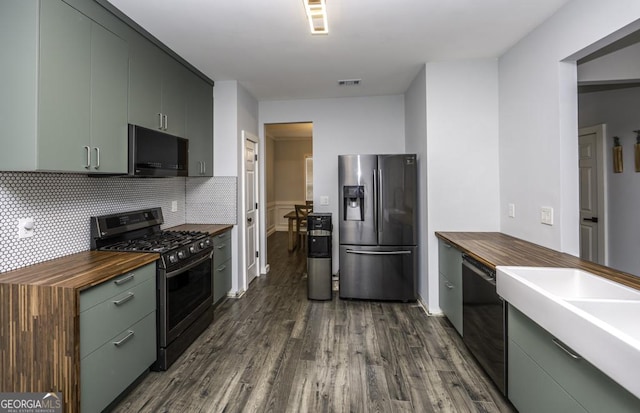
point(317, 15)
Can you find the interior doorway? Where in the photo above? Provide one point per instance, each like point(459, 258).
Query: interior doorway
point(593, 194)
point(288, 172)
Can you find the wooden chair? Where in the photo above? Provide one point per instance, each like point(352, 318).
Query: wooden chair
point(301, 223)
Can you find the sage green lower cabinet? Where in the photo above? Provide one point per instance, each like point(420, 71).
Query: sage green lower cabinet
point(450, 283)
point(117, 336)
point(543, 377)
point(221, 266)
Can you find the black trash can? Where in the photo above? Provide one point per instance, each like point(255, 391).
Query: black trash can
point(319, 249)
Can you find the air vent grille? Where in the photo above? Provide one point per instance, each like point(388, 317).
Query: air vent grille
point(349, 82)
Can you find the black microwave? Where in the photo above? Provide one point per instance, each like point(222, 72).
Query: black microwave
point(153, 153)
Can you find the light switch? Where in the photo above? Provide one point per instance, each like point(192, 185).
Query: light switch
point(324, 200)
point(174, 206)
point(512, 210)
point(546, 215)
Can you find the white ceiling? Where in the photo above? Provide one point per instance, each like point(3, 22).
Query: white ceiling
point(266, 45)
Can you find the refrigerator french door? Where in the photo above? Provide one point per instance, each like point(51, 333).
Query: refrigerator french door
point(378, 226)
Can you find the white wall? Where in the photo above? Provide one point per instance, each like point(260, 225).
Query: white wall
point(340, 126)
point(462, 153)
point(415, 118)
point(235, 111)
point(621, 65)
point(618, 109)
point(538, 118)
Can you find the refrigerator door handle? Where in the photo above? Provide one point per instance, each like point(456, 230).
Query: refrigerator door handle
point(375, 203)
point(379, 202)
point(403, 252)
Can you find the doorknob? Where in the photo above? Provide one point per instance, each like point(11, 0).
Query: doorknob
point(592, 219)
point(250, 219)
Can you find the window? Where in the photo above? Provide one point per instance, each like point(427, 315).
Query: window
point(308, 177)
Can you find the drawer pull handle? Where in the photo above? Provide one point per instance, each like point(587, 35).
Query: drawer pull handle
point(222, 235)
point(446, 245)
point(449, 285)
point(125, 299)
point(222, 246)
point(564, 348)
point(124, 280)
point(124, 339)
point(221, 268)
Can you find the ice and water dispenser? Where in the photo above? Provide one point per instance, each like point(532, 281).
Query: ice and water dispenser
point(319, 251)
point(353, 203)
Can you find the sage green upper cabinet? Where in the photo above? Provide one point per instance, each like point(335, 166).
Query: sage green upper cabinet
point(109, 76)
point(200, 127)
point(64, 112)
point(156, 89)
point(67, 85)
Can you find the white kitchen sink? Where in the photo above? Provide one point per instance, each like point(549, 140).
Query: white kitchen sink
point(573, 283)
point(596, 317)
point(622, 315)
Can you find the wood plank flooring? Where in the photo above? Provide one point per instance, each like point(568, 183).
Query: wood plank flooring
point(275, 351)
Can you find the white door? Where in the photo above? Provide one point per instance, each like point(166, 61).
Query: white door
point(251, 187)
point(592, 214)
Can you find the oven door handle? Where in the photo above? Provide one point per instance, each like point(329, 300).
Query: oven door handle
point(190, 266)
point(479, 272)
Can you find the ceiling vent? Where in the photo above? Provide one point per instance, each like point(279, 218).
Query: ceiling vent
point(349, 82)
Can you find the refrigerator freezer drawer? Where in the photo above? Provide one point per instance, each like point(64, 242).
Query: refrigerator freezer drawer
point(378, 273)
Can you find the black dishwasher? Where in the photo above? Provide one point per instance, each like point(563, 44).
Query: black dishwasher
point(484, 320)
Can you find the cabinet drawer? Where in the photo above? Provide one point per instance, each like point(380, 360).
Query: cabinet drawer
point(450, 262)
point(595, 391)
point(221, 280)
point(532, 390)
point(451, 302)
point(103, 321)
point(99, 293)
point(109, 370)
point(221, 248)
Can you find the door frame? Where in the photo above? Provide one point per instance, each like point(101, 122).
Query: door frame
point(242, 218)
point(603, 239)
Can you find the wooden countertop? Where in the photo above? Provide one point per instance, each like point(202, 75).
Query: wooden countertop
point(495, 248)
point(78, 271)
point(213, 229)
point(88, 268)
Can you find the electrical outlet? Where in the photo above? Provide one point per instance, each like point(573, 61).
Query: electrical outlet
point(26, 227)
point(546, 215)
point(512, 210)
point(174, 206)
point(324, 200)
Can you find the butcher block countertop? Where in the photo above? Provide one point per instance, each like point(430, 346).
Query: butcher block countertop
point(495, 248)
point(78, 271)
point(213, 229)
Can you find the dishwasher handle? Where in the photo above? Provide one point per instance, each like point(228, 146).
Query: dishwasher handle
point(482, 271)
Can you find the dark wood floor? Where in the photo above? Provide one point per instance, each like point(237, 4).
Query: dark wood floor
point(275, 351)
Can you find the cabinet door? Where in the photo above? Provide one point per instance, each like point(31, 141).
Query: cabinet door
point(64, 88)
point(450, 287)
point(174, 103)
point(200, 127)
point(145, 83)
point(109, 76)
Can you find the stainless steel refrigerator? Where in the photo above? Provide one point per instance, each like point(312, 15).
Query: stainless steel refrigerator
point(378, 226)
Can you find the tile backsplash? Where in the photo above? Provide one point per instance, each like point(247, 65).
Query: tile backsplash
point(212, 200)
point(61, 205)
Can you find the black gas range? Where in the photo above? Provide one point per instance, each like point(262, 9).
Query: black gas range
point(183, 276)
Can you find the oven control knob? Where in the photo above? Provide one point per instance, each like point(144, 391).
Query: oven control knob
point(173, 258)
point(201, 244)
point(192, 249)
point(181, 254)
point(207, 242)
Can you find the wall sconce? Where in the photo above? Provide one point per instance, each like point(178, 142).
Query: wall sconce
point(637, 150)
point(617, 155)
